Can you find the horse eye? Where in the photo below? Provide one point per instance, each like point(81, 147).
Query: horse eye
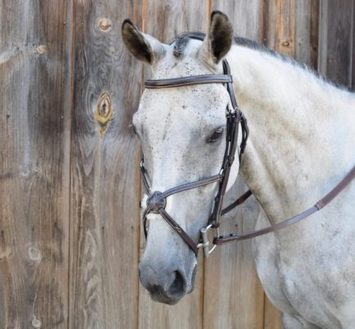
point(216, 135)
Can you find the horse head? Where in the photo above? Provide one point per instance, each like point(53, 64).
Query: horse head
point(182, 133)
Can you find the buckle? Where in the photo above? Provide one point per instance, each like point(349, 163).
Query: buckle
point(205, 244)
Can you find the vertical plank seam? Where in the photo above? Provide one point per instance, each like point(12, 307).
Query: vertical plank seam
point(265, 11)
point(264, 311)
point(351, 50)
point(315, 25)
point(322, 57)
point(204, 260)
point(139, 237)
point(203, 299)
point(261, 9)
point(70, 36)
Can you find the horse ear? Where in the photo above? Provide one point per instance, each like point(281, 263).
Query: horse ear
point(219, 39)
point(142, 46)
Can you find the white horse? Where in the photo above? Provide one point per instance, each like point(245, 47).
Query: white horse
point(301, 144)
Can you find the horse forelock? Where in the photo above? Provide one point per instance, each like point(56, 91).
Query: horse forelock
point(180, 46)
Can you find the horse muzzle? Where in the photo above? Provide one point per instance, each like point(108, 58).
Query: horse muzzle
point(166, 286)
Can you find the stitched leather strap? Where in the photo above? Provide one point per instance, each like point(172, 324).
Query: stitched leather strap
point(157, 204)
point(237, 202)
point(188, 81)
point(293, 220)
point(192, 185)
point(177, 228)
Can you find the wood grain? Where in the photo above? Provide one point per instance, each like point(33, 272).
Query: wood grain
point(336, 37)
point(246, 16)
point(69, 184)
point(104, 171)
point(272, 317)
point(233, 296)
point(165, 19)
point(280, 25)
point(34, 163)
point(306, 34)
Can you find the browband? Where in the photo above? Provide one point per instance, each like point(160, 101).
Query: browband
point(188, 81)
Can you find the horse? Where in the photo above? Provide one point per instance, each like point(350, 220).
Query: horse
point(300, 146)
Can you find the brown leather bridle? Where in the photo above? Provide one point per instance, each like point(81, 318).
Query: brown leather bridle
point(156, 201)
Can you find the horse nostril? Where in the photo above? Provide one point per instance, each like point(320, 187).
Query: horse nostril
point(178, 286)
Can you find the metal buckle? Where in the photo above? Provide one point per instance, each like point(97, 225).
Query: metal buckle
point(205, 244)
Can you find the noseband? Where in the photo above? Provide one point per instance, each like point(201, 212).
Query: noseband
point(156, 201)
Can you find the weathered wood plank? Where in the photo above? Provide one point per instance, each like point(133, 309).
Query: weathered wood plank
point(246, 15)
point(336, 36)
point(164, 20)
point(307, 26)
point(233, 295)
point(279, 26)
point(272, 317)
point(104, 168)
point(34, 163)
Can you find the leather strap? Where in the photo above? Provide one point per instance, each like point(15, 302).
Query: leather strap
point(160, 200)
point(192, 185)
point(237, 202)
point(336, 190)
point(177, 228)
point(188, 81)
point(293, 220)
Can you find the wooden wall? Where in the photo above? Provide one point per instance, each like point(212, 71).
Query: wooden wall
point(70, 238)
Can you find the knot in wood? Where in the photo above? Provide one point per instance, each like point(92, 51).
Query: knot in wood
point(36, 323)
point(104, 24)
point(41, 49)
point(34, 254)
point(103, 109)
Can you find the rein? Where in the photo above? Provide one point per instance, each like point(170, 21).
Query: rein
point(156, 201)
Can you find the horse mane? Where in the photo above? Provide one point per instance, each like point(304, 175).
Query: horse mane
point(245, 42)
point(182, 40)
point(180, 45)
point(251, 44)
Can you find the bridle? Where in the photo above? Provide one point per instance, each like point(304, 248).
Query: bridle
point(156, 201)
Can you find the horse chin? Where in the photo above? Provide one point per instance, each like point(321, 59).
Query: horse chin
point(160, 298)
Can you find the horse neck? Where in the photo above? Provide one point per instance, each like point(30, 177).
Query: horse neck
point(293, 153)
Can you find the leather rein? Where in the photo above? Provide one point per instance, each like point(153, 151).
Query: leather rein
point(235, 119)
